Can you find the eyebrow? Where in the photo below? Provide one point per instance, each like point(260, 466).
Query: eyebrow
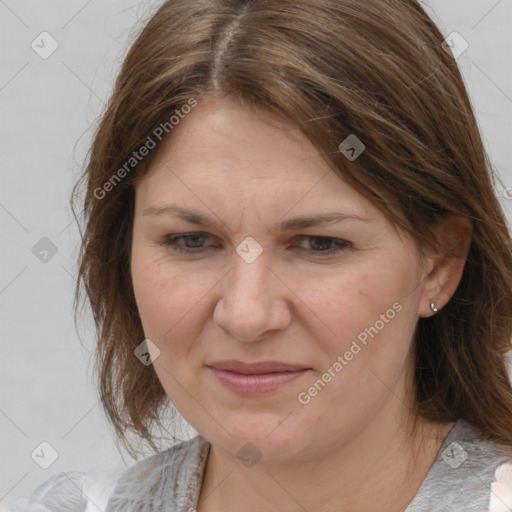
point(199, 219)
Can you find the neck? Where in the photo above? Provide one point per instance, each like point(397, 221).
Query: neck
point(384, 463)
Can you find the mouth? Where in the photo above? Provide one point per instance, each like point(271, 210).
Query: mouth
point(250, 379)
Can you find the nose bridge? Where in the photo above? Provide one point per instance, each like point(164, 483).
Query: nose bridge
point(250, 277)
point(248, 305)
point(250, 273)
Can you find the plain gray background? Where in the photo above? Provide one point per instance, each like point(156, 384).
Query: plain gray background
point(47, 107)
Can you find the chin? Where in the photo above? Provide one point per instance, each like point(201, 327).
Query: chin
point(255, 441)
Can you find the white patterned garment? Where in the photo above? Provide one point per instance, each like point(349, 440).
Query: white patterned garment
point(501, 489)
point(469, 475)
point(72, 491)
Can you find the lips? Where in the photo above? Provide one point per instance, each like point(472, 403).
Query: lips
point(255, 379)
point(256, 368)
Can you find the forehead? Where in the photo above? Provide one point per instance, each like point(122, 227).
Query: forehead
point(226, 140)
point(237, 136)
point(225, 154)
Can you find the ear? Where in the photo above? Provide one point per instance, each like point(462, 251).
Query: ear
point(444, 264)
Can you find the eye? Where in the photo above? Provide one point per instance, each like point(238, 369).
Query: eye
point(194, 239)
point(323, 245)
point(194, 243)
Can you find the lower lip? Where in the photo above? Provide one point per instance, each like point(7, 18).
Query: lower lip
point(256, 384)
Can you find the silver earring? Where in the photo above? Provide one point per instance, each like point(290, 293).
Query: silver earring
point(433, 307)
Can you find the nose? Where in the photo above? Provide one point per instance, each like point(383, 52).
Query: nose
point(253, 300)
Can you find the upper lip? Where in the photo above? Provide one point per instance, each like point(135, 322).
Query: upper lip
point(256, 368)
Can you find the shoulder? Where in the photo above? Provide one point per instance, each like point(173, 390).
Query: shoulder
point(485, 470)
point(501, 488)
point(467, 473)
point(72, 491)
point(120, 488)
point(171, 477)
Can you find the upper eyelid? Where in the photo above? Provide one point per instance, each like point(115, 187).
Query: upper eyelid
point(338, 246)
point(175, 236)
point(210, 235)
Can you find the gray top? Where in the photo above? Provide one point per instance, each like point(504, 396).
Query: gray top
point(459, 480)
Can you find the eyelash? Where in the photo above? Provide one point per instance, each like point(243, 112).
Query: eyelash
point(170, 242)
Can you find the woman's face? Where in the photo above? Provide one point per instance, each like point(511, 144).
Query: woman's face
point(338, 301)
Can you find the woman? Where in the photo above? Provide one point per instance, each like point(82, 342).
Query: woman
point(292, 236)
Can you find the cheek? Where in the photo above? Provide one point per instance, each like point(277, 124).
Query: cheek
point(369, 317)
point(166, 296)
point(169, 307)
point(346, 303)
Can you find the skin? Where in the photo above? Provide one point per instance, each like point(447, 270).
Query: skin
point(351, 445)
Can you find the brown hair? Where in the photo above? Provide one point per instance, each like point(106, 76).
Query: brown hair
point(373, 68)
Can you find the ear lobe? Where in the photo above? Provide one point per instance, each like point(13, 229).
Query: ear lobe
point(446, 261)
